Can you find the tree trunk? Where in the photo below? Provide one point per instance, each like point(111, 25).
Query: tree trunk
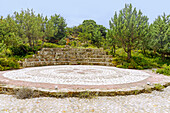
point(129, 54)
point(163, 56)
point(114, 47)
point(29, 40)
point(144, 52)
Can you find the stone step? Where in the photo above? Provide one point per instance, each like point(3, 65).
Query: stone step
point(86, 59)
point(73, 49)
point(46, 63)
point(70, 59)
point(72, 53)
point(50, 51)
point(69, 56)
point(76, 55)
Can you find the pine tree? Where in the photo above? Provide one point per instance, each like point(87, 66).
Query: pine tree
point(128, 27)
point(160, 32)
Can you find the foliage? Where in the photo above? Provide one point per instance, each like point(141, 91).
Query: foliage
point(165, 70)
point(131, 40)
point(8, 63)
point(159, 87)
point(20, 50)
point(111, 40)
point(128, 27)
point(26, 27)
point(160, 32)
point(138, 60)
point(51, 45)
point(87, 94)
point(59, 25)
point(62, 42)
point(89, 32)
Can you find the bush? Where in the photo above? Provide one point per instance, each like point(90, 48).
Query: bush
point(159, 87)
point(3, 61)
point(139, 60)
point(13, 65)
point(165, 70)
point(1, 68)
point(62, 41)
point(139, 67)
point(119, 66)
point(24, 93)
point(28, 56)
point(8, 63)
point(20, 50)
point(51, 45)
point(85, 45)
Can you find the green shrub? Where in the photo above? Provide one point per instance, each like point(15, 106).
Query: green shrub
point(3, 61)
point(1, 68)
point(62, 41)
point(85, 45)
point(119, 66)
point(13, 64)
point(159, 87)
point(51, 45)
point(28, 56)
point(73, 43)
point(165, 70)
point(8, 63)
point(139, 67)
point(20, 50)
point(139, 60)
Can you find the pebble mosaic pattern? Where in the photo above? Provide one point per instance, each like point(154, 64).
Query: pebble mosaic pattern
point(78, 75)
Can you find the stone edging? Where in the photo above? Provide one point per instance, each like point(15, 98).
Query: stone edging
point(10, 90)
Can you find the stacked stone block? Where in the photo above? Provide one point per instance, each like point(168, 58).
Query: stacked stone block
point(69, 56)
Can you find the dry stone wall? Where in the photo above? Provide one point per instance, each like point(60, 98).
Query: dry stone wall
point(69, 56)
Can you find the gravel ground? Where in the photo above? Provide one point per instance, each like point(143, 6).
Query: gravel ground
point(155, 102)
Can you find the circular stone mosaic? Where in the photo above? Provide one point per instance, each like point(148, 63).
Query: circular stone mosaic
point(78, 75)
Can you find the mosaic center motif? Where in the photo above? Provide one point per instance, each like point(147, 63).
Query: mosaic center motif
point(78, 75)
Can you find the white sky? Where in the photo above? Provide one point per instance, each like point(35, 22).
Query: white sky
point(75, 11)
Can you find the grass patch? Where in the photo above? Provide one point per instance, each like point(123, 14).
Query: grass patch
point(164, 70)
point(159, 87)
point(87, 94)
point(139, 60)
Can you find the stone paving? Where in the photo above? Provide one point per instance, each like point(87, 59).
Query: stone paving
point(81, 77)
point(78, 75)
point(84, 77)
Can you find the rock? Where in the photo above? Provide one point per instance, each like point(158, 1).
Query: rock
point(56, 87)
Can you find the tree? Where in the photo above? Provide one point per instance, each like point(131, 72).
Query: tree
point(28, 26)
point(60, 25)
point(98, 38)
point(8, 36)
point(160, 32)
point(111, 39)
point(145, 40)
point(128, 27)
point(32, 28)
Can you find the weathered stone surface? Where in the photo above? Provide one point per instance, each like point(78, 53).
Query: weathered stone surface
point(71, 56)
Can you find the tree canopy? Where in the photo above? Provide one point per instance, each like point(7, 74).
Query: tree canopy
point(129, 27)
point(160, 33)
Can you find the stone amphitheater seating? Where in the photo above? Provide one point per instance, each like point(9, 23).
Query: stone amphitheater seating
point(69, 56)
